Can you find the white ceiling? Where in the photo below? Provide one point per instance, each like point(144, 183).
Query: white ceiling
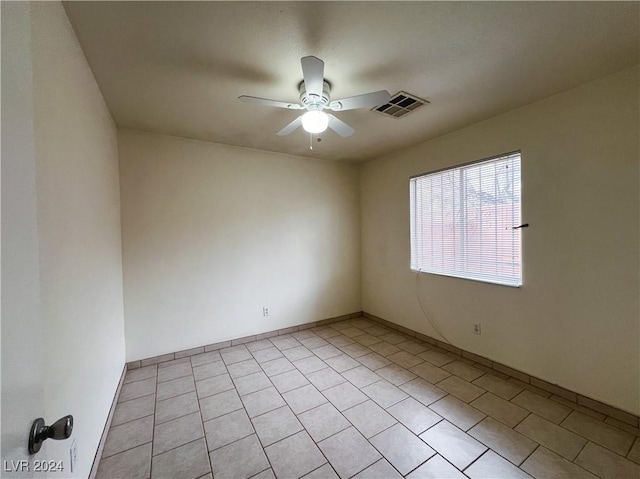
point(178, 67)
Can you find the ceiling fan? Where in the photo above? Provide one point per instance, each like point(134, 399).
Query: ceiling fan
point(315, 97)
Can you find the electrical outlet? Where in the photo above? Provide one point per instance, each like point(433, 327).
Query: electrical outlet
point(265, 311)
point(73, 454)
point(477, 329)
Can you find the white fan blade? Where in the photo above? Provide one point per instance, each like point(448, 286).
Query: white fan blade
point(264, 102)
point(313, 73)
point(291, 127)
point(340, 127)
point(368, 100)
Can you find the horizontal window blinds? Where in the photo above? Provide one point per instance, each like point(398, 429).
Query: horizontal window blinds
point(463, 219)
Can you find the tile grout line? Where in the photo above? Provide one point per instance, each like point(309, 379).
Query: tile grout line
point(452, 465)
point(235, 440)
point(270, 467)
point(478, 458)
point(382, 456)
point(204, 430)
point(181, 415)
point(595, 443)
point(139, 397)
point(518, 432)
point(526, 458)
point(521, 421)
point(630, 447)
point(250, 418)
point(127, 449)
point(320, 467)
point(588, 439)
point(242, 408)
point(567, 430)
point(573, 461)
point(286, 403)
point(153, 425)
point(177, 447)
point(130, 421)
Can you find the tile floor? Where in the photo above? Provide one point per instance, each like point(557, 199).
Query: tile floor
point(351, 399)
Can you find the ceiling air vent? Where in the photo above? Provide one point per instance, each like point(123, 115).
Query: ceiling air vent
point(400, 104)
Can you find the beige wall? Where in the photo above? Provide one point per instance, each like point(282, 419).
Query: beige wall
point(79, 236)
point(212, 233)
point(575, 321)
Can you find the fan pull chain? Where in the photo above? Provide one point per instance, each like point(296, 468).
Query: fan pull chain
point(311, 141)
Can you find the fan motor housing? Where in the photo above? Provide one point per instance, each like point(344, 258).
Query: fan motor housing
point(308, 100)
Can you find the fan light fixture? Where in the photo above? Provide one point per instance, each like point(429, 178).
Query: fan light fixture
point(315, 96)
point(315, 121)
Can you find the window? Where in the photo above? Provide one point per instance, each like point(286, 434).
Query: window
point(463, 219)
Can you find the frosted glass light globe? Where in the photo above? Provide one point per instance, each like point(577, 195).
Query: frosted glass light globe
point(315, 121)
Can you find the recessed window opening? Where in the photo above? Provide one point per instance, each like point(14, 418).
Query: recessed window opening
point(465, 221)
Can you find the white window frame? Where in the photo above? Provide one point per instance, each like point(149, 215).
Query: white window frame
point(455, 249)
